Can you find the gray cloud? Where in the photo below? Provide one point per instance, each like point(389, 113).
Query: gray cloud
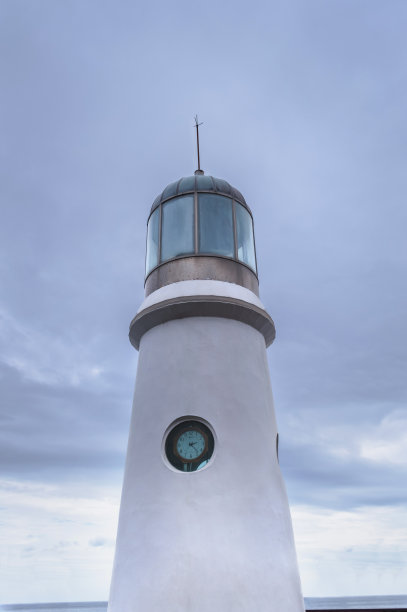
point(318, 128)
point(58, 432)
point(304, 111)
point(97, 542)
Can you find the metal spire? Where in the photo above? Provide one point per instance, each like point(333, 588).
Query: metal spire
point(197, 124)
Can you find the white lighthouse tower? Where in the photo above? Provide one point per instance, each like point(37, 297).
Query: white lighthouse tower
point(204, 520)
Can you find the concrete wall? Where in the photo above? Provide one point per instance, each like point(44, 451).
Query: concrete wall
point(219, 539)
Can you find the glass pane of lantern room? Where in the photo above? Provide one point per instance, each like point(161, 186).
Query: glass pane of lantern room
point(215, 225)
point(245, 237)
point(152, 240)
point(177, 228)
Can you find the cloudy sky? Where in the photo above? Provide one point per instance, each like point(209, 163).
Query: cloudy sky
point(304, 109)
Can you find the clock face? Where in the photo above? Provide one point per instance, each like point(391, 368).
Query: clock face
point(189, 446)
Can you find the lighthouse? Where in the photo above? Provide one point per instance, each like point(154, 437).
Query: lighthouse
point(204, 521)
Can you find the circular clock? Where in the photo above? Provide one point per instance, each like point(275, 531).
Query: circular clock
point(189, 446)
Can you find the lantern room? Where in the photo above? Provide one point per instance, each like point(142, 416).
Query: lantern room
point(200, 227)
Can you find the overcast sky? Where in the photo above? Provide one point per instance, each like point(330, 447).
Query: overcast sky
point(304, 109)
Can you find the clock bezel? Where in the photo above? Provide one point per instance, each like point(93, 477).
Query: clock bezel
point(180, 433)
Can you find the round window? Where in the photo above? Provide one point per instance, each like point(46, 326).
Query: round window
point(189, 446)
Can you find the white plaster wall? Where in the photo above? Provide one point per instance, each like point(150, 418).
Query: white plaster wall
point(200, 287)
point(219, 539)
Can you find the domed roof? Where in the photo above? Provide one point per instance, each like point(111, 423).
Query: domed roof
point(199, 182)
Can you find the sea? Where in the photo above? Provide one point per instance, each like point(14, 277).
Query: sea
point(382, 602)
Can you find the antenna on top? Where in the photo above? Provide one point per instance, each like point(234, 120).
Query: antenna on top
point(197, 124)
